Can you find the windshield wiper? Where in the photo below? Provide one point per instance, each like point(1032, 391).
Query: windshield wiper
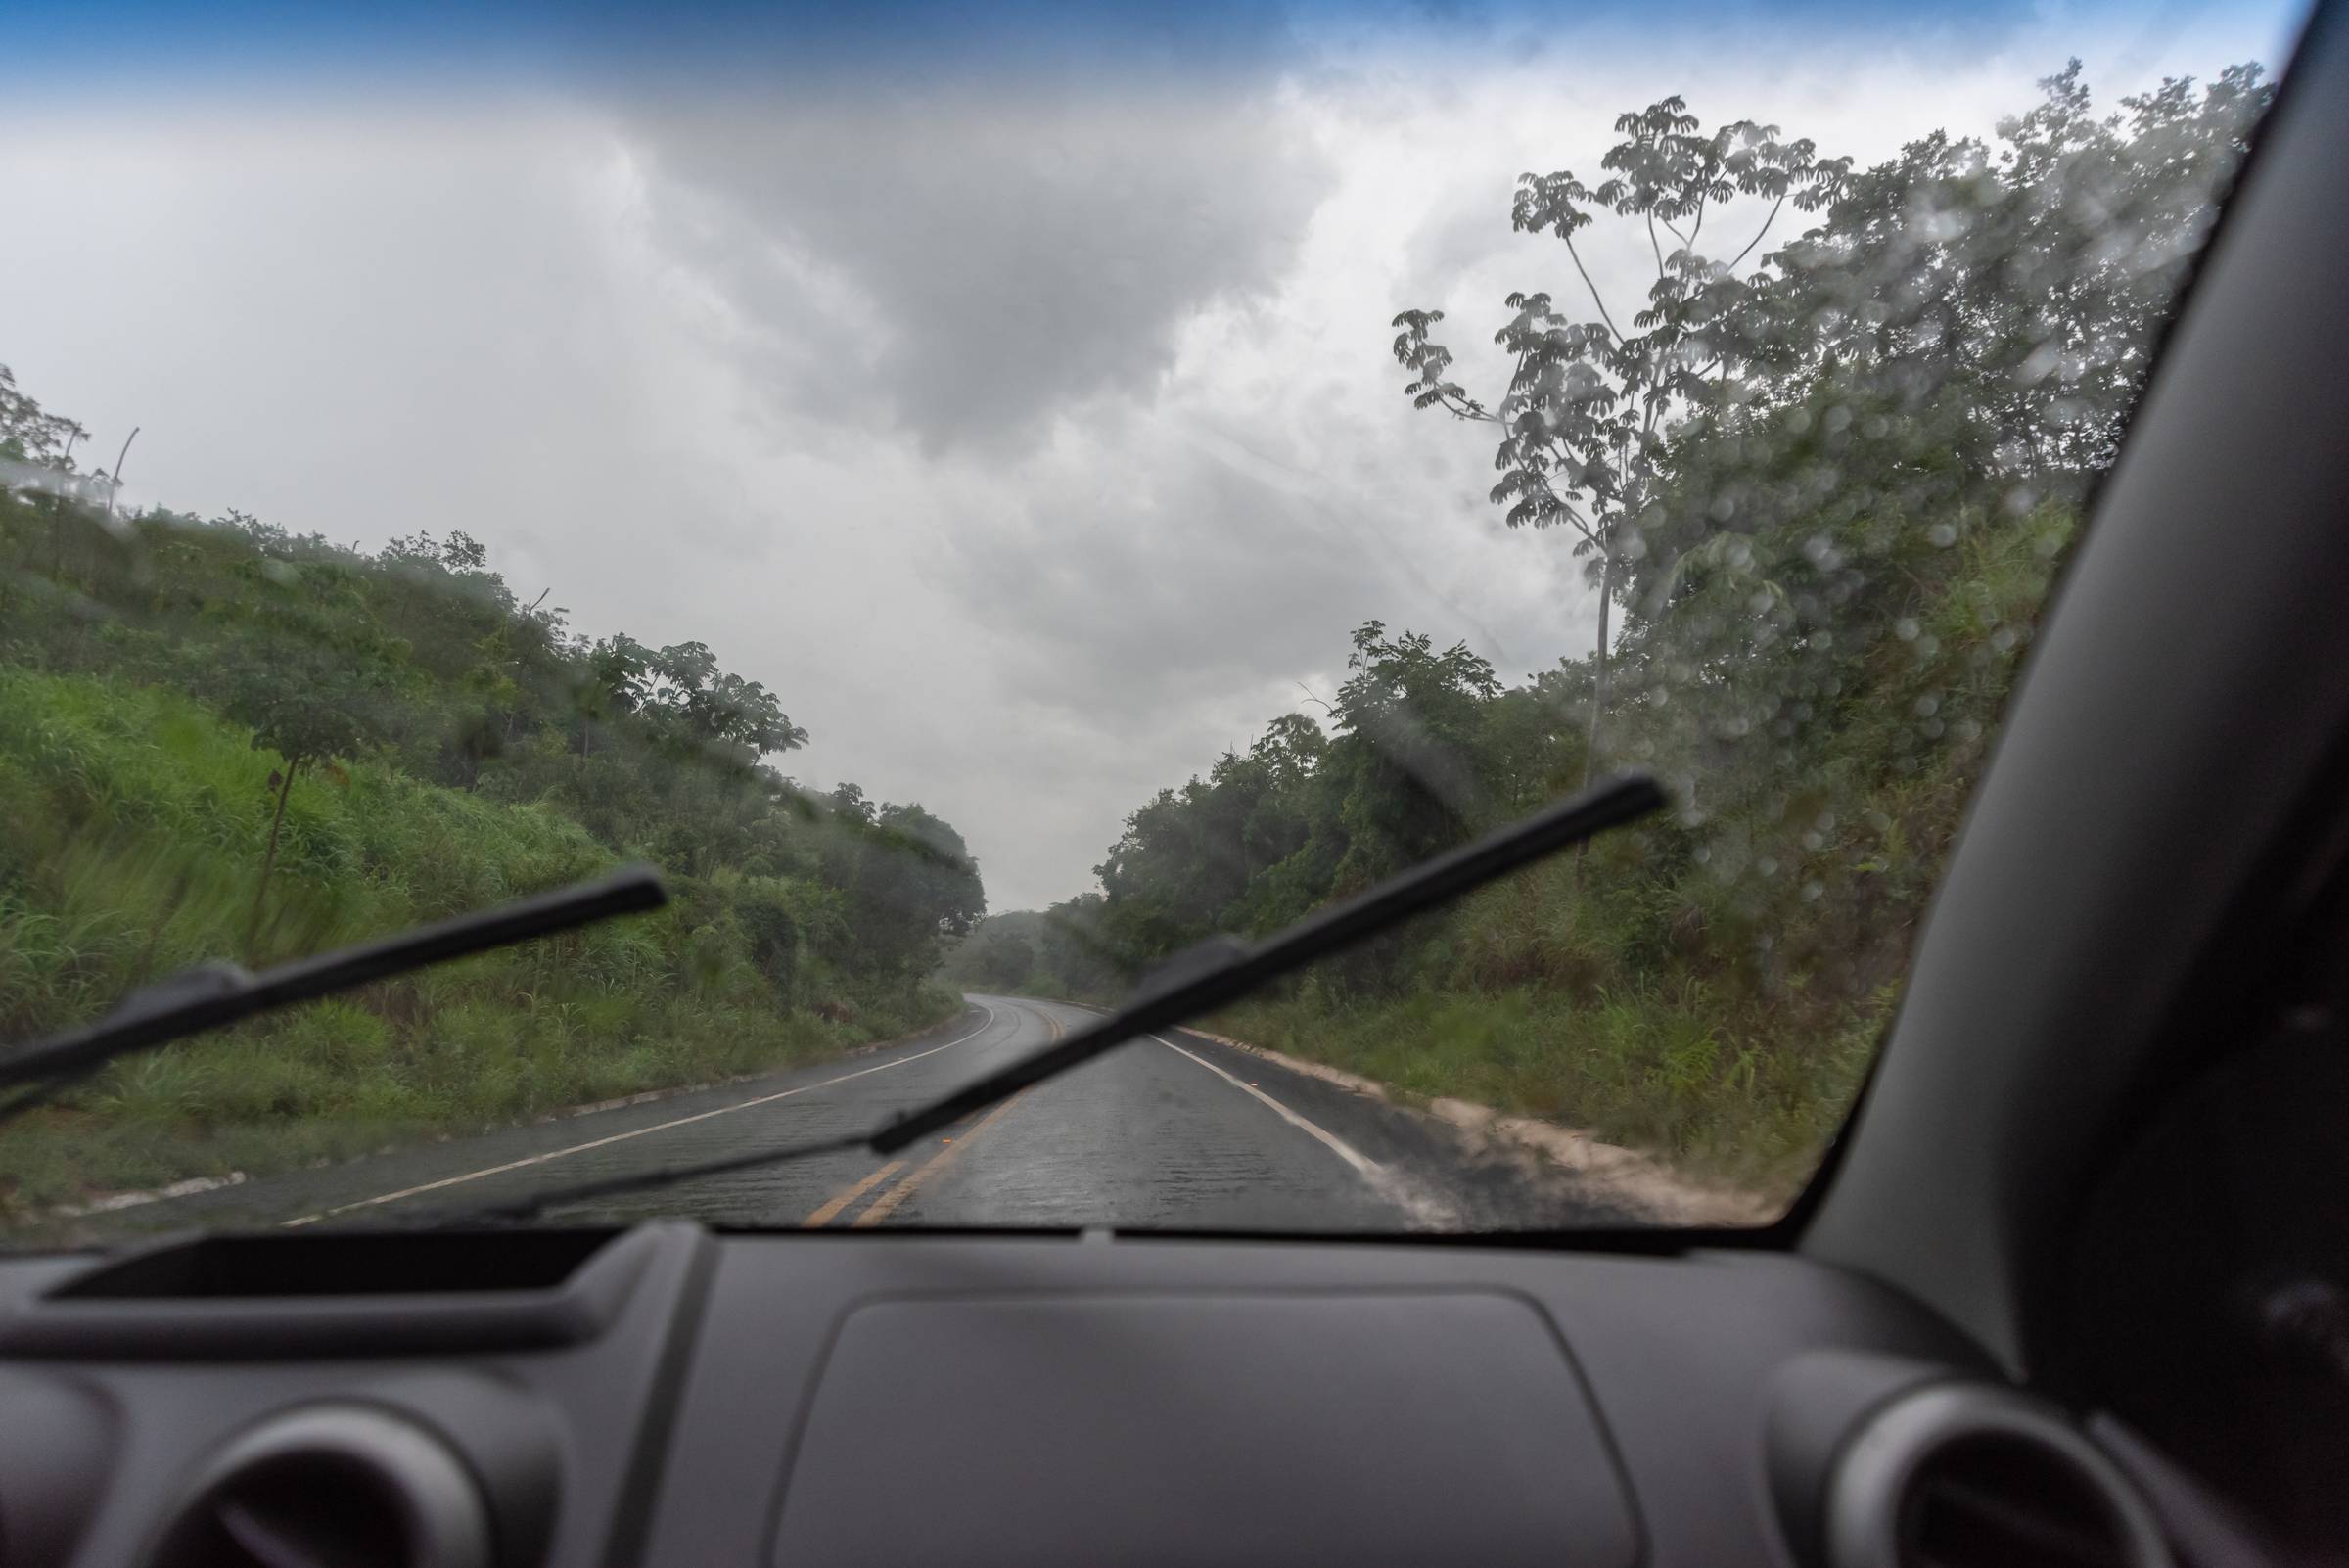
point(1222, 969)
point(212, 995)
point(1213, 974)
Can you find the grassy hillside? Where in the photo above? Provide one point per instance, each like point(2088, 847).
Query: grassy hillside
point(222, 740)
point(132, 848)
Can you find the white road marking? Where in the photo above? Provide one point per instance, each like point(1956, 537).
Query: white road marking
point(637, 1132)
point(116, 1201)
point(1344, 1150)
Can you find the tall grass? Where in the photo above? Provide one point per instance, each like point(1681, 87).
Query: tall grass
point(132, 823)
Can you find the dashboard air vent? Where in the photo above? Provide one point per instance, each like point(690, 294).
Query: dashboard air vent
point(1972, 1476)
point(349, 1484)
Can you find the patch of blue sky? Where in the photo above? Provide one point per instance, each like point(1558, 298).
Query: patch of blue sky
point(231, 46)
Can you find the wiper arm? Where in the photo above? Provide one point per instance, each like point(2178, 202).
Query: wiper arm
point(1222, 969)
point(1210, 975)
point(213, 995)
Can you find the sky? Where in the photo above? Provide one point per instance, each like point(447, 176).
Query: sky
point(1011, 394)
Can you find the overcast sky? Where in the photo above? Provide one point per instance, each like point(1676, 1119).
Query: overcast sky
point(1030, 427)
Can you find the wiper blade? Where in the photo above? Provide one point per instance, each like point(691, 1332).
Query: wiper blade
point(1222, 970)
point(213, 995)
point(1210, 975)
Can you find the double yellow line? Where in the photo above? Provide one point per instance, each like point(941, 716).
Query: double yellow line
point(891, 1197)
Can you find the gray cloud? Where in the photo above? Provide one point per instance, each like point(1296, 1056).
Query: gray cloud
point(964, 266)
point(1137, 598)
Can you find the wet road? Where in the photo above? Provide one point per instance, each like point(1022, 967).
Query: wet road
point(1168, 1133)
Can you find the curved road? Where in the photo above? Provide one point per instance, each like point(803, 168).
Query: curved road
point(1167, 1132)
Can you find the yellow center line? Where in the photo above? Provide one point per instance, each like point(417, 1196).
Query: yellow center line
point(830, 1211)
point(888, 1202)
point(832, 1208)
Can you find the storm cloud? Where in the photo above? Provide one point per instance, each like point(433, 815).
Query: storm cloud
point(967, 267)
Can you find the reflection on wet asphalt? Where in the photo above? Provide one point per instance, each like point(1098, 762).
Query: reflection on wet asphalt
point(1145, 1137)
point(1181, 1133)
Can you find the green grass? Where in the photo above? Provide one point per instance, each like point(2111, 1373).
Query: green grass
point(1717, 1095)
point(132, 823)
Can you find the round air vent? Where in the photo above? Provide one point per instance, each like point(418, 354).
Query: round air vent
point(332, 1486)
point(1969, 1476)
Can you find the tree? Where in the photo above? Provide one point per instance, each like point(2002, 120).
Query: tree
point(1075, 950)
point(717, 711)
point(611, 681)
point(2024, 274)
point(309, 677)
point(33, 440)
point(1006, 960)
point(1271, 832)
point(1187, 863)
point(1408, 769)
point(912, 884)
point(1952, 347)
point(1584, 418)
point(29, 433)
point(846, 801)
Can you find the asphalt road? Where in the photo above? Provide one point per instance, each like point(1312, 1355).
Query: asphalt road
point(1168, 1133)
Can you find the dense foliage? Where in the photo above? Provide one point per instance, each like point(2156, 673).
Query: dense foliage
point(221, 739)
point(1825, 494)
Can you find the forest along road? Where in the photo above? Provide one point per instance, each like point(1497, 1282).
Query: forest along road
point(1169, 1132)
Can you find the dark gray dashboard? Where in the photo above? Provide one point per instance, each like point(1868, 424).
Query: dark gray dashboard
point(672, 1396)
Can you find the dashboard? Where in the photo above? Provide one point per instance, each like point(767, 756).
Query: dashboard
point(670, 1394)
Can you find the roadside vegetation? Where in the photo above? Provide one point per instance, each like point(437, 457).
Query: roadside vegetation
point(1821, 482)
point(220, 740)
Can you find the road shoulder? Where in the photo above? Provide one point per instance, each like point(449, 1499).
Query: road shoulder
point(1492, 1169)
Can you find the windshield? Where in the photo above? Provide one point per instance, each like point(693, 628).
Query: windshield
point(982, 503)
